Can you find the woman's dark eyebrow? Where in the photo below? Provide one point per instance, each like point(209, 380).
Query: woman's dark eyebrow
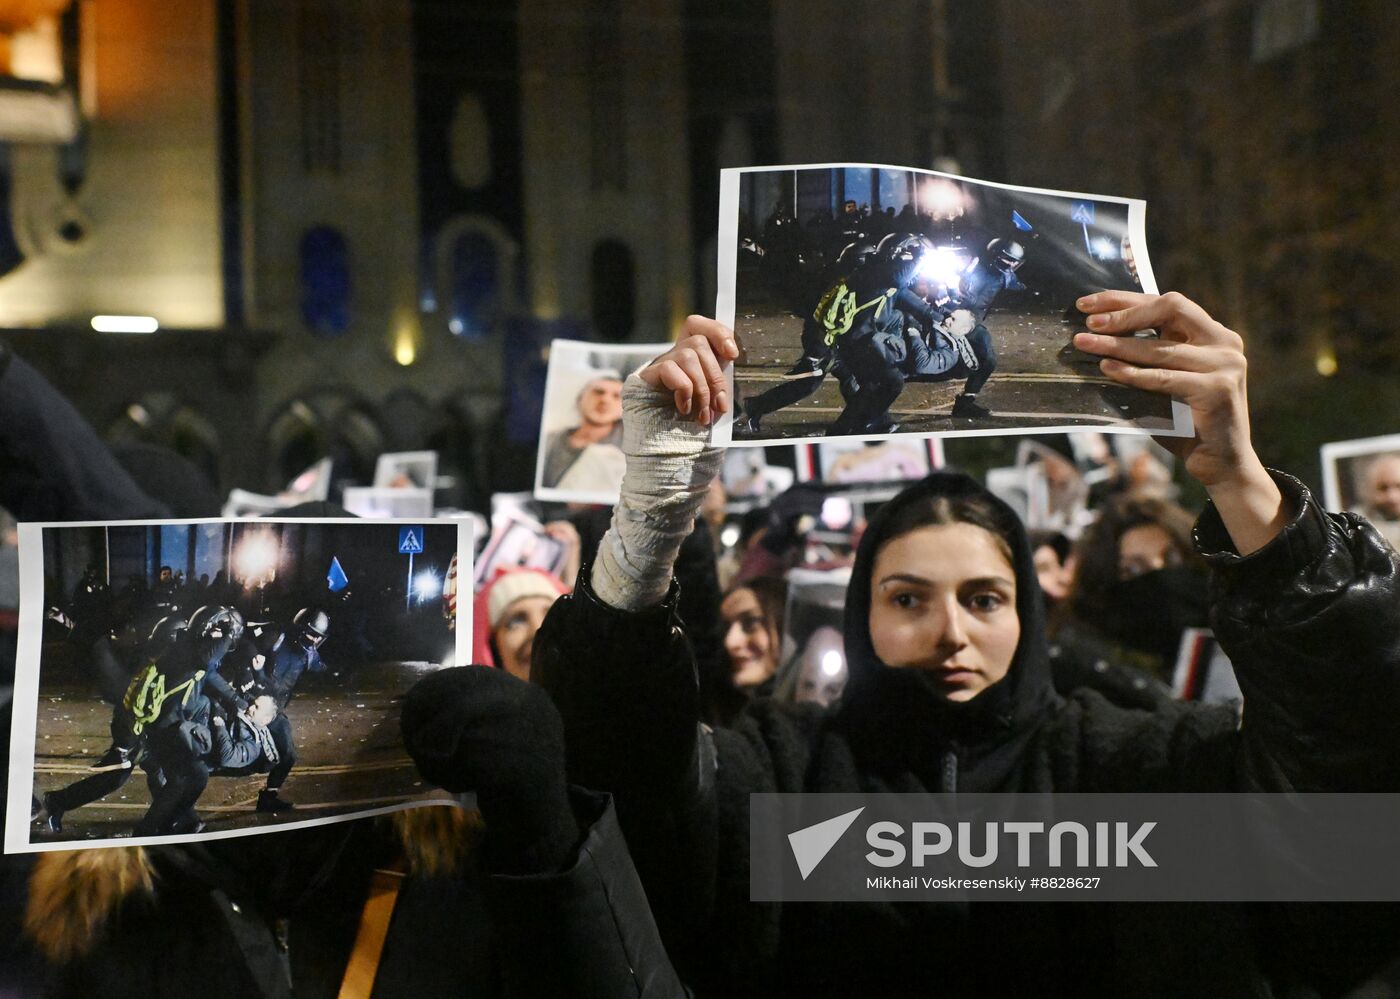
point(989, 580)
point(904, 577)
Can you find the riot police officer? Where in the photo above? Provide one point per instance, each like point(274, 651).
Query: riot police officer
point(297, 653)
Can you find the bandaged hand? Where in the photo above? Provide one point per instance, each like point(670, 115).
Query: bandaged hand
point(668, 409)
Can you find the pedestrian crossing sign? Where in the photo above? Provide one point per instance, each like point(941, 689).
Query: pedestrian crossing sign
point(410, 540)
point(1083, 212)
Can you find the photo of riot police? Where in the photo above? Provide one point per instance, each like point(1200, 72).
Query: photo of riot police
point(223, 676)
point(1363, 476)
point(874, 300)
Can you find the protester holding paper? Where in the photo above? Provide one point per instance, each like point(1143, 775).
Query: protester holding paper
point(950, 690)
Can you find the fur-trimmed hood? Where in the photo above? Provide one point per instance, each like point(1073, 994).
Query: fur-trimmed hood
point(73, 893)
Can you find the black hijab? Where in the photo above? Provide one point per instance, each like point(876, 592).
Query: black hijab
point(898, 724)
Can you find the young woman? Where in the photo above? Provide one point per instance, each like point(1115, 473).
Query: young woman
point(1138, 584)
point(950, 689)
point(507, 613)
point(752, 616)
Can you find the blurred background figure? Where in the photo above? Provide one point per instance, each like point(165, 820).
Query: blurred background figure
point(819, 675)
point(1137, 586)
point(1050, 551)
point(752, 613)
point(507, 613)
point(1381, 489)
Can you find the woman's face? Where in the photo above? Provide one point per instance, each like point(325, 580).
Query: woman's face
point(515, 634)
point(748, 639)
point(943, 599)
point(1144, 549)
point(1054, 577)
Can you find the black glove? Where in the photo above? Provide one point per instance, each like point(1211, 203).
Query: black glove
point(474, 728)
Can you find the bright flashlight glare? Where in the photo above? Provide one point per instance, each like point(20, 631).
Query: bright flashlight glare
point(426, 584)
point(832, 663)
point(1105, 248)
point(942, 199)
point(255, 560)
point(944, 266)
point(729, 536)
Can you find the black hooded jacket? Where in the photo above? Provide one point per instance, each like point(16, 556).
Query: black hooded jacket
point(625, 685)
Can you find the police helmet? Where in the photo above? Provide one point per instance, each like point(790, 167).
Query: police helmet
point(215, 629)
point(165, 631)
point(266, 636)
point(311, 626)
point(1006, 254)
point(854, 254)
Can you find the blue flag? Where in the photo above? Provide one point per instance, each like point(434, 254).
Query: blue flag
point(1019, 221)
point(335, 576)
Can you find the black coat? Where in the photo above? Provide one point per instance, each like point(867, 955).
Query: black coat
point(625, 686)
point(276, 916)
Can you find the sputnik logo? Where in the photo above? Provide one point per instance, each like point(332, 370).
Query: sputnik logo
point(812, 844)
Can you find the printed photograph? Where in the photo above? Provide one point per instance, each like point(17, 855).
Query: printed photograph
point(580, 449)
point(519, 544)
point(384, 502)
point(891, 459)
point(206, 678)
point(873, 300)
point(1363, 476)
point(406, 470)
point(311, 486)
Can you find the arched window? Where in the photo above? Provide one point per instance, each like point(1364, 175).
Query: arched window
point(325, 423)
point(473, 285)
point(614, 282)
point(325, 281)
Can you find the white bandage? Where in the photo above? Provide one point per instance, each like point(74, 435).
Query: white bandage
point(670, 464)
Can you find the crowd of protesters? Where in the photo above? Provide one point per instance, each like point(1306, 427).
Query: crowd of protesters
point(619, 720)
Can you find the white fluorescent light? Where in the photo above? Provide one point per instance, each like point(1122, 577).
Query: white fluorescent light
point(125, 324)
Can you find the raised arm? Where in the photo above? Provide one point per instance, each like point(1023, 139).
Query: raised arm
point(1306, 604)
point(614, 656)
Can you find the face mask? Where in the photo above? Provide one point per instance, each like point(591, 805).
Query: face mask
point(1150, 612)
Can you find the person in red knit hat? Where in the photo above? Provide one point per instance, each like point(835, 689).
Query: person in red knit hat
point(507, 613)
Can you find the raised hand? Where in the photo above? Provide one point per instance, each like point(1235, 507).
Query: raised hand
point(693, 370)
point(1200, 362)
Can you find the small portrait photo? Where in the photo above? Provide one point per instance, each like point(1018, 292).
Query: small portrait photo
point(519, 544)
point(892, 459)
point(1363, 476)
point(580, 449)
point(388, 501)
point(180, 680)
point(748, 475)
point(312, 485)
point(406, 470)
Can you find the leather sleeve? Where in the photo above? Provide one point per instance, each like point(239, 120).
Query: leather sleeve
point(1311, 623)
point(625, 685)
point(585, 932)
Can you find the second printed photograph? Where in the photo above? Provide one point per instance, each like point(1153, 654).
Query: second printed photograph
point(871, 300)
